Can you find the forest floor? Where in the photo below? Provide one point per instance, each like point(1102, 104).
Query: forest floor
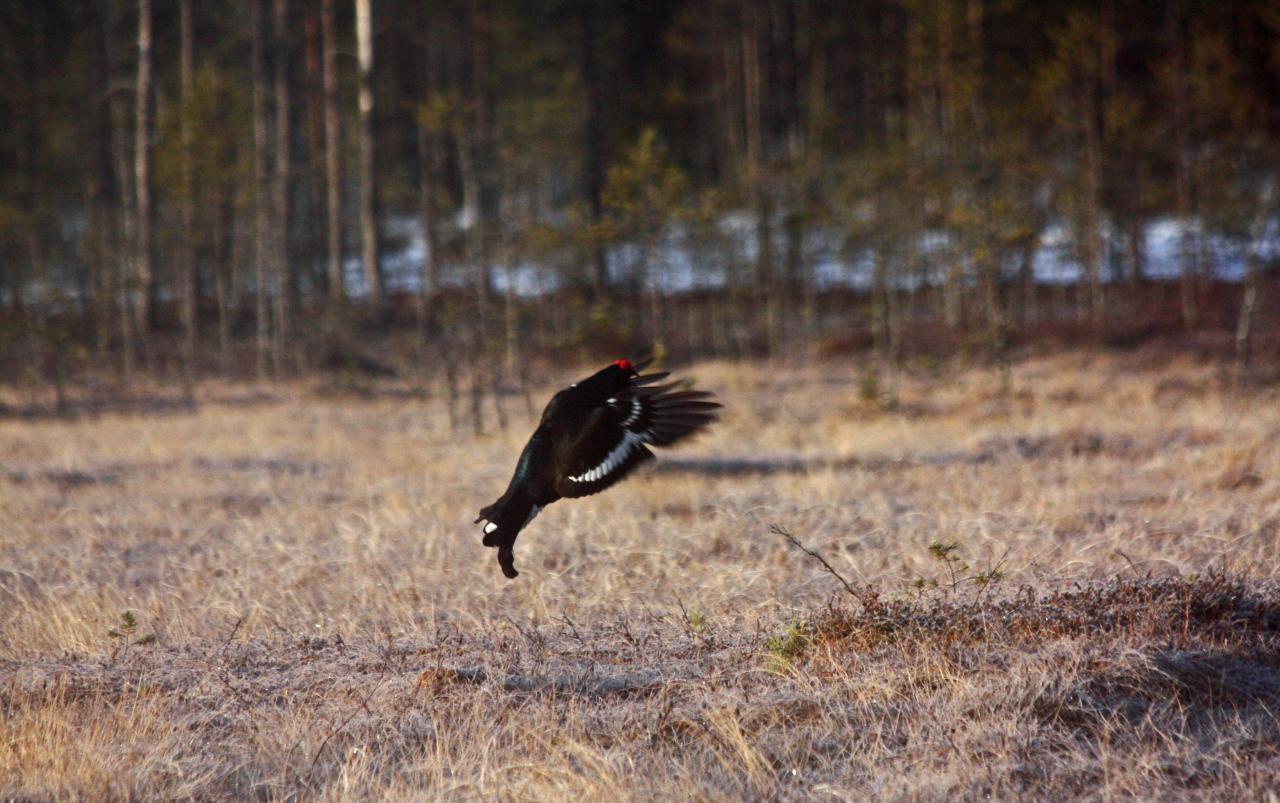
point(1064, 581)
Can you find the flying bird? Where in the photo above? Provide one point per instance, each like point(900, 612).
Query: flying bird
point(592, 435)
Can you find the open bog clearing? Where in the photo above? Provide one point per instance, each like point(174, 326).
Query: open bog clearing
point(1064, 584)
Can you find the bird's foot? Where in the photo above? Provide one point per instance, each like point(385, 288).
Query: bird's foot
point(507, 560)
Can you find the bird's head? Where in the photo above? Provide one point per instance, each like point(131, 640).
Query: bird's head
point(611, 379)
point(621, 373)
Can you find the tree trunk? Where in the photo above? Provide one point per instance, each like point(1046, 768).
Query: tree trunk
point(477, 398)
point(103, 257)
point(593, 139)
point(990, 272)
point(893, 320)
point(1244, 324)
point(945, 66)
point(813, 55)
point(507, 226)
point(512, 320)
point(952, 302)
point(1027, 276)
point(142, 169)
point(187, 267)
point(285, 279)
point(477, 248)
point(1183, 167)
point(261, 191)
point(126, 240)
point(474, 164)
point(767, 276)
point(225, 271)
point(99, 186)
point(879, 304)
point(1092, 222)
point(332, 165)
point(1137, 252)
point(312, 253)
point(729, 105)
point(430, 275)
point(754, 85)
point(368, 202)
point(650, 288)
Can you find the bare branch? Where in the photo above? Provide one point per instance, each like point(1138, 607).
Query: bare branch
point(795, 542)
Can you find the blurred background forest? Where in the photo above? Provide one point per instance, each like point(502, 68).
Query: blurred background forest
point(274, 187)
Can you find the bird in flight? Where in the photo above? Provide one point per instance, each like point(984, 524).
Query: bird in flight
point(592, 435)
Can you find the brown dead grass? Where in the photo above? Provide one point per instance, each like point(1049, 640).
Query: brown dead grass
point(285, 598)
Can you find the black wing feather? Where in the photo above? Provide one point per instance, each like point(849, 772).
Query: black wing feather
point(615, 441)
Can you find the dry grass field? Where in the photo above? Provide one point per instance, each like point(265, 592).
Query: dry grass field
point(1064, 582)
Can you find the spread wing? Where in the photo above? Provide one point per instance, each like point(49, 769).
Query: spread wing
point(616, 438)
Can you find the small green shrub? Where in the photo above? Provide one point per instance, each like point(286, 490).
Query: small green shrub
point(787, 648)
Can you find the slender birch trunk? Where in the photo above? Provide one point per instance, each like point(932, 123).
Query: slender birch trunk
point(142, 170)
point(285, 280)
point(261, 192)
point(368, 203)
point(332, 148)
point(188, 271)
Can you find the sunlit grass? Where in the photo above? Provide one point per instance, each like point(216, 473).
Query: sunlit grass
point(287, 598)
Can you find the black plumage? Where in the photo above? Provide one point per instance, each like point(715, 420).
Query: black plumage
point(592, 435)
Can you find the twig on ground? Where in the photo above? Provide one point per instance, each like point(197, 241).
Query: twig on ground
point(684, 613)
point(223, 676)
point(364, 704)
point(795, 542)
point(584, 684)
point(1129, 560)
point(564, 617)
point(231, 636)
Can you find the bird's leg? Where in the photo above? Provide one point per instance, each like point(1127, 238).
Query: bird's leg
point(507, 560)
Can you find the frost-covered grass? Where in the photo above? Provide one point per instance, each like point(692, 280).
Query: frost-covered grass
point(1064, 585)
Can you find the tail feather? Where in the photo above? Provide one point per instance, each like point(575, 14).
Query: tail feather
point(674, 413)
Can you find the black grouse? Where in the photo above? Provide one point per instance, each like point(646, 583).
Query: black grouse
point(592, 435)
